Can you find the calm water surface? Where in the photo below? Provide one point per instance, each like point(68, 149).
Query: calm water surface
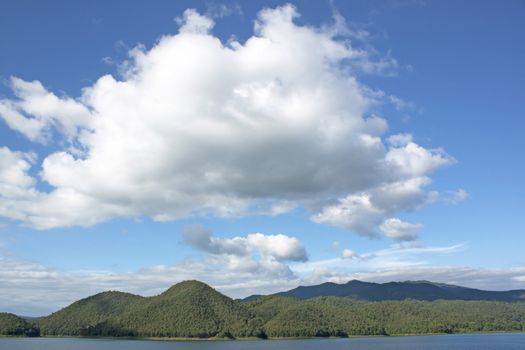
point(515, 341)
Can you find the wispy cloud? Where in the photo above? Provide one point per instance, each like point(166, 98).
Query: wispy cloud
point(218, 10)
point(399, 255)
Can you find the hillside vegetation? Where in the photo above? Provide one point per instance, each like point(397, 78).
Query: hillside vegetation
point(188, 309)
point(13, 325)
point(87, 313)
point(193, 309)
point(336, 316)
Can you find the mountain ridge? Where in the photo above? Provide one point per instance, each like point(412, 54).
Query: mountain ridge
point(193, 309)
point(417, 290)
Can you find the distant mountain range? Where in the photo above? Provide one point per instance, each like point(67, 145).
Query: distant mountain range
point(192, 309)
point(417, 290)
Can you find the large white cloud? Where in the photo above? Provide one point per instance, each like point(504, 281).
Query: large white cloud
point(197, 126)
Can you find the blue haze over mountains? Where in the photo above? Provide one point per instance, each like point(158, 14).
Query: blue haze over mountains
point(418, 290)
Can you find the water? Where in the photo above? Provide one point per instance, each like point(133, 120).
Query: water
point(514, 341)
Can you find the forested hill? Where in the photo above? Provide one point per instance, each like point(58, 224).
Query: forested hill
point(16, 326)
point(416, 290)
point(188, 309)
point(194, 309)
point(78, 317)
point(339, 316)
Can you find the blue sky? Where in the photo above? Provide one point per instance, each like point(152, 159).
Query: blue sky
point(258, 145)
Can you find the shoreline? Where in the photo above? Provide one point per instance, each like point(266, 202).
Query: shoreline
point(184, 339)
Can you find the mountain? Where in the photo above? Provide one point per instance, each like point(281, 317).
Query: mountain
point(417, 290)
point(77, 318)
point(192, 309)
point(13, 325)
point(188, 309)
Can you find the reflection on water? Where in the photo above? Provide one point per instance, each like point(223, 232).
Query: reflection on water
point(514, 341)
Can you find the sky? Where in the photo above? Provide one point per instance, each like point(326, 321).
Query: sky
point(258, 146)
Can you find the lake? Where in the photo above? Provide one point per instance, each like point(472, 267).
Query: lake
point(513, 341)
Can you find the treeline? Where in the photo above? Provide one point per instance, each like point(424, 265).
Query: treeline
point(334, 316)
point(193, 309)
point(13, 325)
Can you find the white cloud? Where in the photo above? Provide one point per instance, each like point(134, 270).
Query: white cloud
point(280, 247)
point(400, 140)
point(366, 211)
point(349, 254)
point(400, 230)
point(414, 160)
point(47, 111)
point(355, 212)
point(270, 247)
point(198, 127)
point(193, 22)
point(14, 180)
point(201, 238)
point(16, 186)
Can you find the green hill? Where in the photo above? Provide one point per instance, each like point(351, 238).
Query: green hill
point(267, 307)
point(12, 325)
point(336, 316)
point(195, 310)
point(306, 319)
point(190, 309)
point(79, 317)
